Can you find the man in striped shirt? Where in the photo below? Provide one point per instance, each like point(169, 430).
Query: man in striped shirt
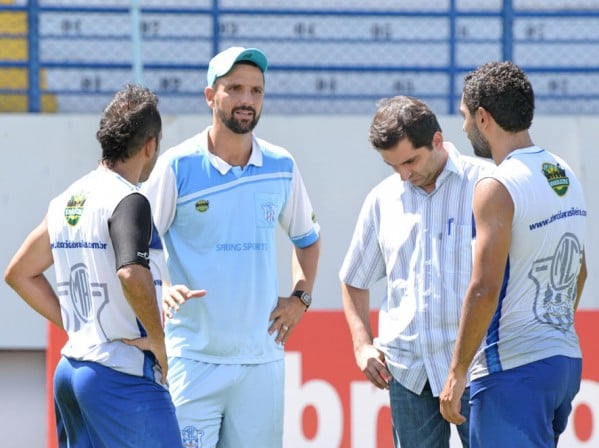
point(415, 228)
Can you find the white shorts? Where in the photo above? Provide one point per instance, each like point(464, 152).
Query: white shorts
point(228, 405)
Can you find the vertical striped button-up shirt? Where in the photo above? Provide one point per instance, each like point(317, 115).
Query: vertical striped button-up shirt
point(422, 243)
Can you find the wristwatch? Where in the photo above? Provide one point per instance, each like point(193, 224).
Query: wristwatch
point(304, 296)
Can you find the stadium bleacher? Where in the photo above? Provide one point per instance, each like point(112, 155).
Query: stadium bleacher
point(326, 57)
point(14, 79)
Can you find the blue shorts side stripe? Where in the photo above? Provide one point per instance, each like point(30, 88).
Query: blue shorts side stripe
point(492, 350)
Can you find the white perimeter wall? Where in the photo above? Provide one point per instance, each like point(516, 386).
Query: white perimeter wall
point(42, 154)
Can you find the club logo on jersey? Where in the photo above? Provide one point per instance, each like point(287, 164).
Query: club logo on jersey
point(192, 437)
point(270, 212)
point(556, 278)
point(87, 299)
point(267, 207)
point(202, 205)
point(556, 176)
point(74, 208)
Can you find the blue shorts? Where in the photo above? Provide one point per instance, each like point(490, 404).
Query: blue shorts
point(99, 406)
point(527, 406)
point(228, 405)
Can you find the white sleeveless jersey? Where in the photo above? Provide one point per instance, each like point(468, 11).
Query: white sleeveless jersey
point(535, 315)
point(95, 312)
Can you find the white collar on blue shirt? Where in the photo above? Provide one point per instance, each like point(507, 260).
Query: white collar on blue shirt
point(222, 166)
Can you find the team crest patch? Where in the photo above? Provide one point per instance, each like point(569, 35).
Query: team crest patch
point(74, 209)
point(270, 212)
point(192, 437)
point(202, 205)
point(267, 209)
point(556, 176)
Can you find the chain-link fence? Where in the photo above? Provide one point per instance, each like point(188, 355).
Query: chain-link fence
point(326, 56)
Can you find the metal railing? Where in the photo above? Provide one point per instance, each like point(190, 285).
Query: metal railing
point(326, 56)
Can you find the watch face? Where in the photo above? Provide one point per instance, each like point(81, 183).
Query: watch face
point(306, 298)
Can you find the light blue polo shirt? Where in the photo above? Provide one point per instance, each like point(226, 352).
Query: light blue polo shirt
point(219, 226)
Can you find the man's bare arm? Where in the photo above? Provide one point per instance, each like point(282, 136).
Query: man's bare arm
point(25, 274)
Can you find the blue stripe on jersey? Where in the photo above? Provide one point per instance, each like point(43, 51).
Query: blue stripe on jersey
point(149, 362)
point(491, 352)
point(149, 358)
point(230, 184)
point(155, 242)
point(188, 182)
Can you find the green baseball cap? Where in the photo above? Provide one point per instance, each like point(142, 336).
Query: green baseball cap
point(223, 62)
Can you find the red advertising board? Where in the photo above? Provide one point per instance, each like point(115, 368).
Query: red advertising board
point(330, 404)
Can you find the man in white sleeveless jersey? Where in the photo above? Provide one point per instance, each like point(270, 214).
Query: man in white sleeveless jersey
point(108, 391)
point(517, 330)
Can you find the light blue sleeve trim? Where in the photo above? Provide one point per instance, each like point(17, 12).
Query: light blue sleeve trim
point(305, 240)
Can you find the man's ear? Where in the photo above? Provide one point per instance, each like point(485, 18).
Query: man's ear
point(209, 95)
point(437, 140)
point(483, 117)
point(150, 146)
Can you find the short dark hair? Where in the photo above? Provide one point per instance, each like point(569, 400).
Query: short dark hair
point(503, 90)
point(127, 122)
point(403, 117)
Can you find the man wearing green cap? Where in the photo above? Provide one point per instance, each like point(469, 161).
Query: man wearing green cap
point(216, 199)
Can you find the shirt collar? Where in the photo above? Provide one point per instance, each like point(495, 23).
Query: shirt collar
point(528, 150)
point(219, 164)
point(452, 165)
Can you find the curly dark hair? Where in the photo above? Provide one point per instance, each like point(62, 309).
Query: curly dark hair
point(502, 89)
point(127, 122)
point(403, 117)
